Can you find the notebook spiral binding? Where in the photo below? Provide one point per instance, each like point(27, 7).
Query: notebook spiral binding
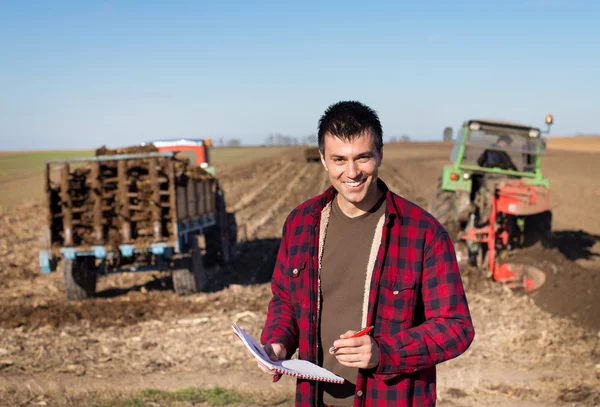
point(304, 376)
point(283, 370)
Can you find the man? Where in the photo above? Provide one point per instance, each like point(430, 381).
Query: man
point(497, 157)
point(360, 255)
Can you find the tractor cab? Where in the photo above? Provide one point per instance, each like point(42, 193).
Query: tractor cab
point(197, 150)
point(493, 197)
point(496, 147)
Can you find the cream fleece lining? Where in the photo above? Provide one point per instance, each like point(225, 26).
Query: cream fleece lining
point(325, 216)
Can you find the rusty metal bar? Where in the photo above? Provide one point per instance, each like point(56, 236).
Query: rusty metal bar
point(200, 192)
point(181, 202)
point(124, 201)
point(117, 157)
point(172, 196)
point(191, 198)
point(66, 205)
point(97, 196)
point(213, 196)
point(208, 197)
point(156, 226)
point(49, 214)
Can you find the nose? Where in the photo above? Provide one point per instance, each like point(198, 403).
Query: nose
point(352, 169)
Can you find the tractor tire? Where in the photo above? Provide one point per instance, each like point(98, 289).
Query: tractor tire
point(79, 278)
point(191, 279)
point(443, 207)
point(538, 228)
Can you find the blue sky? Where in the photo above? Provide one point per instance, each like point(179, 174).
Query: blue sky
point(80, 74)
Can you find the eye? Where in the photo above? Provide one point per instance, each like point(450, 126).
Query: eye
point(364, 159)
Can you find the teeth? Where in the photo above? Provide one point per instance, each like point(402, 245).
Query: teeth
point(353, 184)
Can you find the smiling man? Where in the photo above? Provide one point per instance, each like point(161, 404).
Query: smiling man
point(359, 255)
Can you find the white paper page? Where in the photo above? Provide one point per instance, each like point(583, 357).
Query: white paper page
point(307, 368)
point(253, 346)
point(301, 367)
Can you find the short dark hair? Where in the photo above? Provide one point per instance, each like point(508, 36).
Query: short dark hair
point(347, 120)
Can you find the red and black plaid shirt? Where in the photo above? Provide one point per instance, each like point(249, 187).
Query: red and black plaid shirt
point(417, 303)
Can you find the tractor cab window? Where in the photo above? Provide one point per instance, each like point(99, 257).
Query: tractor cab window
point(457, 144)
point(456, 148)
point(502, 150)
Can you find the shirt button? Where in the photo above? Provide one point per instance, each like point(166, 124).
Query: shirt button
point(295, 272)
point(359, 393)
point(396, 292)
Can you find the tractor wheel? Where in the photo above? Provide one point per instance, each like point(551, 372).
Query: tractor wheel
point(79, 278)
point(538, 228)
point(443, 207)
point(191, 279)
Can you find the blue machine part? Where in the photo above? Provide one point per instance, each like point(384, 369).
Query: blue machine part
point(45, 261)
point(69, 253)
point(126, 250)
point(158, 248)
point(99, 252)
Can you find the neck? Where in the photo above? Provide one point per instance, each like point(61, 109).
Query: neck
point(353, 210)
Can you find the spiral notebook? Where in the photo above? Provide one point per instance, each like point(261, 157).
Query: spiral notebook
point(301, 369)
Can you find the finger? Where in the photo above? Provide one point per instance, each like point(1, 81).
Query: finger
point(360, 364)
point(265, 369)
point(271, 352)
point(347, 334)
point(351, 358)
point(351, 342)
point(276, 351)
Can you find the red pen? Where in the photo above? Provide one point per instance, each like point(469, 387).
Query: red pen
point(362, 332)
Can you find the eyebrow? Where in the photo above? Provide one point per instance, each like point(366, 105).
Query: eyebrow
point(364, 154)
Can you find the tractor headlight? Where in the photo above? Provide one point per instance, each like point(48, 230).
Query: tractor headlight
point(475, 126)
point(534, 133)
point(466, 175)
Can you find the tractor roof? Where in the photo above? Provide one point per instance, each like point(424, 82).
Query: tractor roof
point(501, 123)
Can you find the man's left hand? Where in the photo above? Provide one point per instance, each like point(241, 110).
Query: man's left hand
point(361, 352)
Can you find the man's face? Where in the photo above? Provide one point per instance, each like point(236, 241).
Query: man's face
point(352, 167)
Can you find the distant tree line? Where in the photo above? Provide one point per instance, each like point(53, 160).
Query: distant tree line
point(280, 139)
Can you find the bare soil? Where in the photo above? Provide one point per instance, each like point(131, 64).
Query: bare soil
point(538, 349)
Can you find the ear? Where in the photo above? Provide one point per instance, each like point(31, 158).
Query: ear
point(380, 157)
point(323, 161)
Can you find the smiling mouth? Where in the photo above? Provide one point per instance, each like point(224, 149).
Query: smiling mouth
point(354, 184)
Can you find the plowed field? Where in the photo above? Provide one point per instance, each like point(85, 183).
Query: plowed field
point(541, 349)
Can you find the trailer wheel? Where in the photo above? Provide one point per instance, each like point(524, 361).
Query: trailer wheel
point(79, 278)
point(191, 279)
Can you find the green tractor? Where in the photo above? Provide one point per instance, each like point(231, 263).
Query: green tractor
point(492, 197)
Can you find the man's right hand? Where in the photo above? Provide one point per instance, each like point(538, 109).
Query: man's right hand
point(276, 351)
